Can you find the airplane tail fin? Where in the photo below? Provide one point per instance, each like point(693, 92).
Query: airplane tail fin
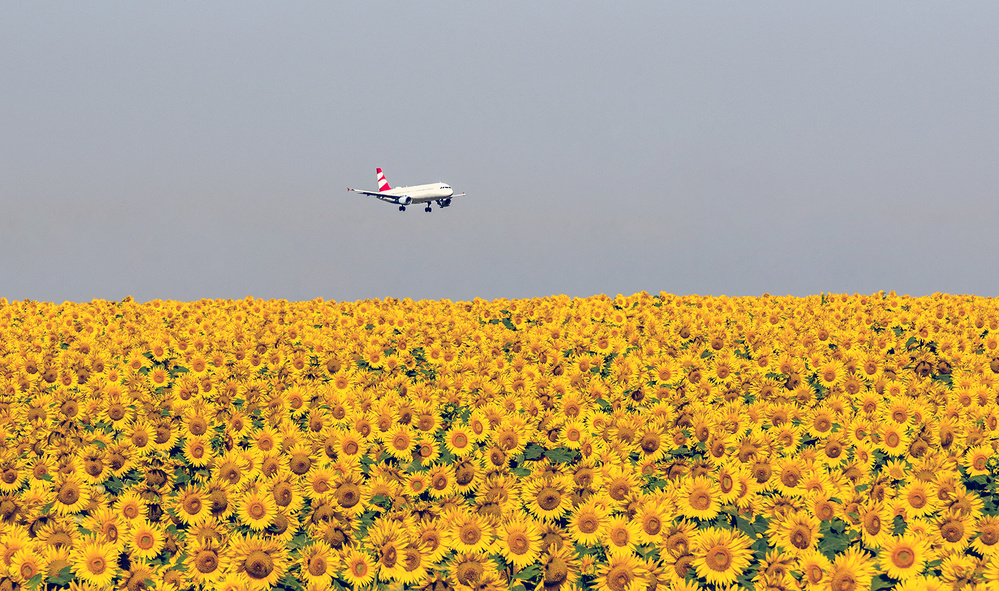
point(382, 183)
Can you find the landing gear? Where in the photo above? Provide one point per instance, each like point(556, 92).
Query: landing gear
point(402, 208)
point(428, 210)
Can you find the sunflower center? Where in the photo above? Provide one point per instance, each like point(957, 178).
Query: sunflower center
point(917, 499)
point(468, 572)
point(259, 564)
point(801, 537)
point(650, 443)
point(464, 473)
point(116, 411)
point(69, 493)
point(145, 541)
point(700, 500)
point(989, 535)
point(952, 530)
point(300, 463)
point(350, 448)
point(206, 561)
point(549, 498)
point(459, 441)
point(790, 476)
point(718, 558)
point(256, 510)
point(588, 524)
point(814, 573)
point(683, 565)
point(96, 564)
point(652, 525)
point(618, 489)
point(518, 543)
point(620, 537)
point(317, 566)
point(282, 494)
point(470, 534)
point(556, 571)
point(411, 559)
point(348, 495)
point(873, 524)
point(903, 557)
point(192, 504)
point(28, 570)
point(843, 581)
point(389, 556)
point(619, 577)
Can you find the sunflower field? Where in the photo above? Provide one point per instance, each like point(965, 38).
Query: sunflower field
point(647, 442)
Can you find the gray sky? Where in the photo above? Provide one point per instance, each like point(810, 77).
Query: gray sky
point(202, 150)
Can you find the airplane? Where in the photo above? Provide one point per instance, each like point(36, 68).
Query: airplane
point(403, 196)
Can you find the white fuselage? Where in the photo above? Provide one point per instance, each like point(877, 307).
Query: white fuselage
point(418, 193)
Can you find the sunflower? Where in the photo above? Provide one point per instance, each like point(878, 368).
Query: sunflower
point(875, 524)
point(572, 434)
point(257, 509)
point(318, 563)
point(398, 441)
point(459, 440)
point(467, 476)
point(796, 533)
point(699, 498)
point(623, 573)
point(903, 557)
point(349, 443)
point(145, 540)
point(620, 535)
point(26, 563)
point(359, 568)
point(518, 540)
point(106, 525)
point(219, 495)
point(262, 561)
point(95, 563)
point(547, 499)
point(72, 495)
point(191, 506)
point(430, 538)
point(851, 570)
point(205, 563)
point(814, 568)
point(952, 531)
point(470, 532)
point(651, 517)
point(720, 555)
point(560, 570)
point(588, 523)
point(895, 439)
point(976, 460)
point(986, 541)
point(197, 451)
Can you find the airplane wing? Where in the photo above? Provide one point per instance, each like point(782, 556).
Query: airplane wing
point(363, 192)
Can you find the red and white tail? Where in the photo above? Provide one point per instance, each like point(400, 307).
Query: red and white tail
point(382, 183)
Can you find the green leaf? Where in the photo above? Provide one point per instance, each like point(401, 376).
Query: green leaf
point(63, 577)
point(882, 582)
point(529, 572)
point(533, 451)
point(507, 323)
point(561, 455)
point(898, 526)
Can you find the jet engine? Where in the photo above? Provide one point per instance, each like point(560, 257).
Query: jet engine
point(404, 200)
